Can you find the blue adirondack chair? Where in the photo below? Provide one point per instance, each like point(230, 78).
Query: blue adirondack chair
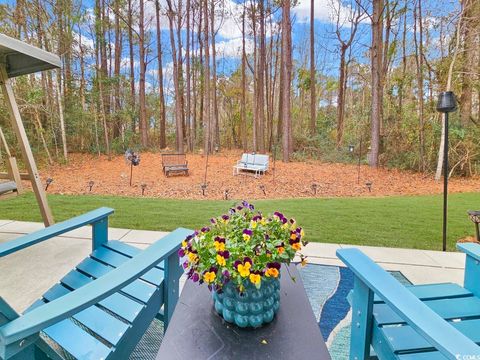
point(423, 322)
point(100, 309)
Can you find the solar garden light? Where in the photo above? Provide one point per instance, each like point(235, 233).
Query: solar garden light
point(144, 187)
point(203, 187)
point(475, 217)
point(216, 148)
point(262, 187)
point(90, 185)
point(446, 104)
point(351, 148)
point(48, 181)
point(314, 188)
point(226, 193)
point(369, 186)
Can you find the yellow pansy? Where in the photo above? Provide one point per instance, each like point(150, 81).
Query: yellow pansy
point(209, 277)
point(263, 222)
point(244, 270)
point(192, 257)
point(255, 279)
point(184, 243)
point(302, 233)
point(221, 260)
point(293, 236)
point(219, 246)
point(285, 226)
point(246, 237)
point(272, 272)
point(253, 224)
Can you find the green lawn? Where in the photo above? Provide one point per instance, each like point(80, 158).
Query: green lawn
point(408, 221)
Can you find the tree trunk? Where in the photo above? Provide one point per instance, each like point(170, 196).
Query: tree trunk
point(190, 128)
point(313, 101)
point(438, 172)
point(216, 126)
point(417, 17)
point(244, 84)
point(377, 76)
point(261, 81)
point(162, 140)
point(341, 96)
point(178, 109)
point(132, 65)
point(287, 80)
point(143, 124)
point(206, 91)
point(118, 51)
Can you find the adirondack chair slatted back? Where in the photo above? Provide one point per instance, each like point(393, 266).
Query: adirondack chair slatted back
point(413, 321)
point(104, 305)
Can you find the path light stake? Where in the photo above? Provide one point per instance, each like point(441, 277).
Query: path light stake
point(48, 181)
point(144, 187)
point(446, 103)
point(204, 187)
point(314, 188)
point(90, 185)
point(475, 217)
point(369, 186)
point(225, 194)
point(262, 187)
point(359, 160)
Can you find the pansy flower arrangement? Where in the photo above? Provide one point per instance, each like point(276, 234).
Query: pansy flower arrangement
point(243, 247)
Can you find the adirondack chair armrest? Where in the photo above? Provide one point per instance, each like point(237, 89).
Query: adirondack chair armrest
point(64, 307)
point(472, 266)
point(470, 249)
point(98, 218)
point(419, 316)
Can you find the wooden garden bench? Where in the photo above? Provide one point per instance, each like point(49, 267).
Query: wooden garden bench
point(256, 163)
point(100, 309)
point(176, 163)
point(423, 322)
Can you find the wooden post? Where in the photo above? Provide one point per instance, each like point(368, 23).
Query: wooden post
point(17, 124)
point(12, 168)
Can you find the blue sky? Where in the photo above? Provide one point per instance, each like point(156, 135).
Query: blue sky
point(228, 40)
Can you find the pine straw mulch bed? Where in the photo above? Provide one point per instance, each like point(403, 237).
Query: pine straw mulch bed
point(283, 180)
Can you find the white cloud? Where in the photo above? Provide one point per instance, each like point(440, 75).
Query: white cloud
point(233, 48)
point(324, 11)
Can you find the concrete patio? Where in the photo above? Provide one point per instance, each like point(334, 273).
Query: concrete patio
point(27, 274)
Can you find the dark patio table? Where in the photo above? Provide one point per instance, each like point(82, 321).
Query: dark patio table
point(197, 332)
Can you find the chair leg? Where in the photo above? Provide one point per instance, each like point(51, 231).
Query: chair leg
point(362, 317)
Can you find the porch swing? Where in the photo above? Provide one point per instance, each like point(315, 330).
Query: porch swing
point(18, 58)
point(13, 185)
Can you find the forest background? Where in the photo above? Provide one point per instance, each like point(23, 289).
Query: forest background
point(327, 79)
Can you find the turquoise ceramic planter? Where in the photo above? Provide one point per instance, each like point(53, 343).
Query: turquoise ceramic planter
point(252, 308)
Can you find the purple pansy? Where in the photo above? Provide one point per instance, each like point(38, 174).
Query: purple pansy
point(181, 252)
point(225, 254)
point(247, 232)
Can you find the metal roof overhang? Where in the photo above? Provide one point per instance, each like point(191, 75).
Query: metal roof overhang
point(21, 58)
